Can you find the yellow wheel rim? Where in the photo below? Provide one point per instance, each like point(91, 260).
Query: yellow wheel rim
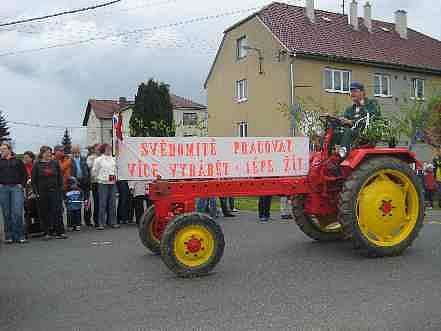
point(194, 245)
point(387, 208)
point(327, 223)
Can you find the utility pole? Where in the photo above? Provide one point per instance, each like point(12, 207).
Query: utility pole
point(343, 6)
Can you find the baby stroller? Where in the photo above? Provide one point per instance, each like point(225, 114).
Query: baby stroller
point(32, 219)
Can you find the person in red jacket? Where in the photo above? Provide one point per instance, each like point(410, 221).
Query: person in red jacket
point(430, 184)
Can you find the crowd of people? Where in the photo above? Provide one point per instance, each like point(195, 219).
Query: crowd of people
point(37, 191)
point(430, 176)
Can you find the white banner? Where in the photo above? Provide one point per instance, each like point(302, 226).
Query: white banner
point(202, 157)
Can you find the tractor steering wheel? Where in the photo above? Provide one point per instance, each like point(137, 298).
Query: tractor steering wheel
point(329, 119)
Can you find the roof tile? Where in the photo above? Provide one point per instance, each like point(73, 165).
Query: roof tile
point(335, 37)
point(104, 109)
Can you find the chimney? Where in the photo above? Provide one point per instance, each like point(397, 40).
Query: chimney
point(401, 23)
point(310, 10)
point(368, 16)
point(353, 16)
point(122, 100)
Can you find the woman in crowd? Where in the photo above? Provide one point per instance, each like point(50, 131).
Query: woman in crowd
point(12, 181)
point(104, 170)
point(47, 181)
point(28, 160)
point(30, 208)
point(93, 154)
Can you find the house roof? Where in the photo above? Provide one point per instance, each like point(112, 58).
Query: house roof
point(180, 102)
point(331, 36)
point(104, 109)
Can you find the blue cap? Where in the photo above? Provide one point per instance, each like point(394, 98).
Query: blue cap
point(357, 86)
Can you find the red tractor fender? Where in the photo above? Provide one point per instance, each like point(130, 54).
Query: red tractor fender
point(356, 156)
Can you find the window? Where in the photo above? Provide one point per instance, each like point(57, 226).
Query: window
point(337, 80)
point(382, 86)
point(242, 129)
point(241, 90)
point(189, 119)
point(241, 51)
point(417, 91)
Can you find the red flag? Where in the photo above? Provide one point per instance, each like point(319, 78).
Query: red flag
point(118, 129)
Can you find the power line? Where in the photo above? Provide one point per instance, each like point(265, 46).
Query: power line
point(102, 12)
point(47, 126)
point(130, 32)
point(67, 12)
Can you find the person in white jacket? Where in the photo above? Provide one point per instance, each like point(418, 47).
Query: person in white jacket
point(104, 170)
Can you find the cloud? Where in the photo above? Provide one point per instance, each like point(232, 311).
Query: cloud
point(53, 86)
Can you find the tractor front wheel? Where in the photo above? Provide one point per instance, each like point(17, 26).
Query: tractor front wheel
point(381, 207)
point(148, 232)
point(192, 245)
point(317, 228)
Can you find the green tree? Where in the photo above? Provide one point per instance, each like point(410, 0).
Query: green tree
point(410, 121)
point(4, 130)
point(433, 129)
point(153, 112)
point(67, 142)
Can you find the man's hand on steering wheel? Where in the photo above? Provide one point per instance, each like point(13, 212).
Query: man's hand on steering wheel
point(346, 121)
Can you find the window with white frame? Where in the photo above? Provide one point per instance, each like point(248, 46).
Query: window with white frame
point(417, 91)
point(242, 129)
point(382, 86)
point(241, 51)
point(190, 119)
point(337, 80)
point(241, 90)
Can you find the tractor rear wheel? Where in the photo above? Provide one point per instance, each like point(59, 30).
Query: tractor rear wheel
point(147, 231)
point(381, 207)
point(317, 228)
point(192, 245)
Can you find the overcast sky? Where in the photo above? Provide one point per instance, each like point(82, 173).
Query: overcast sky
point(52, 86)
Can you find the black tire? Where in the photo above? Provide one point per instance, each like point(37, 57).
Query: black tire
point(168, 243)
point(348, 206)
point(307, 225)
point(148, 239)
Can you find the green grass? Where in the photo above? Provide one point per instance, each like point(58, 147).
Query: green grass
point(251, 204)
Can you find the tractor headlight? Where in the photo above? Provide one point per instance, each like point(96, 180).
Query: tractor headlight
point(342, 152)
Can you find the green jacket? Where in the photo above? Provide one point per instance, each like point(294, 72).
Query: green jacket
point(370, 106)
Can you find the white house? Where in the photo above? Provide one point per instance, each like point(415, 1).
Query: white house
point(190, 118)
point(98, 119)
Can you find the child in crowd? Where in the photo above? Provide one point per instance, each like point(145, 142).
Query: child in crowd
point(74, 203)
point(429, 184)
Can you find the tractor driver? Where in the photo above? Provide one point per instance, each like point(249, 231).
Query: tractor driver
point(360, 108)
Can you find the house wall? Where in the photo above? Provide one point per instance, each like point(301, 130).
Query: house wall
point(198, 130)
point(309, 77)
point(181, 130)
point(106, 131)
point(126, 115)
point(265, 91)
point(93, 130)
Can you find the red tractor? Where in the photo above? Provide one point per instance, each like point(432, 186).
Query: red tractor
point(372, 198)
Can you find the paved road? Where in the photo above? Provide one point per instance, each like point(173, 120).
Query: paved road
point(271, 278)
